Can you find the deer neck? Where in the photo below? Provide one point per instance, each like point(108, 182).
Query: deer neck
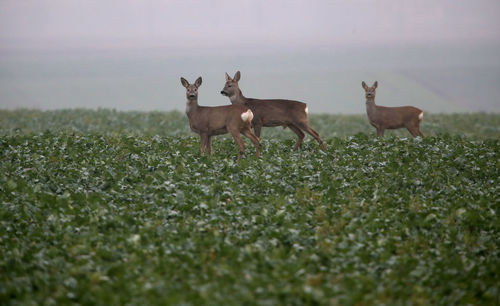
point(371, 108)
point(238, 98)
point(191, 106)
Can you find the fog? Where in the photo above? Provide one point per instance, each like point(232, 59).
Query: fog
point(443, 56)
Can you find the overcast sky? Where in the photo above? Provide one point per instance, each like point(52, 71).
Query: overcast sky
point(238, 24)
point(442, 55)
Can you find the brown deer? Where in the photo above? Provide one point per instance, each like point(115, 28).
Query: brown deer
point(383, 118)
point(286, 113)
point(209, 121)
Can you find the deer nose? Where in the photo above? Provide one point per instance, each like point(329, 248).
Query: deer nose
point(222, 92)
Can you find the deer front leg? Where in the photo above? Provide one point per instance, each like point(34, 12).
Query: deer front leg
point(380, 132)
point(256, 128)
point(209, 145)
point(203, 143)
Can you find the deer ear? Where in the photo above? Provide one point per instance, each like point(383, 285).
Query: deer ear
point(375, 84)
point(184, 82)
point(198, 82)
point(363, 84)
point(237, 76)
point(228, 78)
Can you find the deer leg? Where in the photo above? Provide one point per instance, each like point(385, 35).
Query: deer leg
point(380, 132)
point(257, 128)
point(412, 131)
point(203, 143)
point(209, 145)
point(239, 141)
point(313, 133)
point(248, 133)
point(299, 133)
point(417, 130)
point(323, 147)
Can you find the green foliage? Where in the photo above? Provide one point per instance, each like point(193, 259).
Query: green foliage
point(110, 208)
point(105, 121)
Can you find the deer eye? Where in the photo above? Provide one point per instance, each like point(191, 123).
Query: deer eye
point(229, 85)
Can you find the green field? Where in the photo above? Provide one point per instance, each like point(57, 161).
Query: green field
point(105, 207)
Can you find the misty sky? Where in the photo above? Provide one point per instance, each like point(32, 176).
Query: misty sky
point(441, 55)
point(233, 24)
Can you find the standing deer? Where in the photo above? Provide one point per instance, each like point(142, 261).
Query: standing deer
point(210, 121)
point(383, 118)
point(286, 113)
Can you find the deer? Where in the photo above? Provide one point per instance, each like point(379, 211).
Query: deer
point(208, 121)
point(271, 113)
point(382, 117)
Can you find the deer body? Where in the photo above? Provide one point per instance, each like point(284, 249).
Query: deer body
point(213, 120)
point(210, 121)
point(272, 112)
point(382, 117)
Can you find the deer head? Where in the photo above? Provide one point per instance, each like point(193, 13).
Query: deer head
point(191, 89)
point(370, 91)
point(231, 88)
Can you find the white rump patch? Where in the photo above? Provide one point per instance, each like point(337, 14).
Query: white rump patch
point(247, 116)
point(306, 110)
point(421, 116)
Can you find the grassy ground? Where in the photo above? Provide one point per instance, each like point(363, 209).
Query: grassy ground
point(104, 207)
point(104, 121)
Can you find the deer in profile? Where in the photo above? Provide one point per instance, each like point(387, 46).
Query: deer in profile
point(209, 121)
point(269, 113)
point(383, 118)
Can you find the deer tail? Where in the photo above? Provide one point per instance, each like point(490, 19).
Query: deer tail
point(247, 116)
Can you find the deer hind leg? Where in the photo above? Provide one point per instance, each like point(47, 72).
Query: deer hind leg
point(299, 133)
point(305, 127)
point(417, 130)
point(412, 131)
point(380, 132)
point(323, 146)
point(254, 139)
point(240, 142)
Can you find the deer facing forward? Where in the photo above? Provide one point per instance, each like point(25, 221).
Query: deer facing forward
point(275, 112)
point(383, 118)
point(209, 121)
